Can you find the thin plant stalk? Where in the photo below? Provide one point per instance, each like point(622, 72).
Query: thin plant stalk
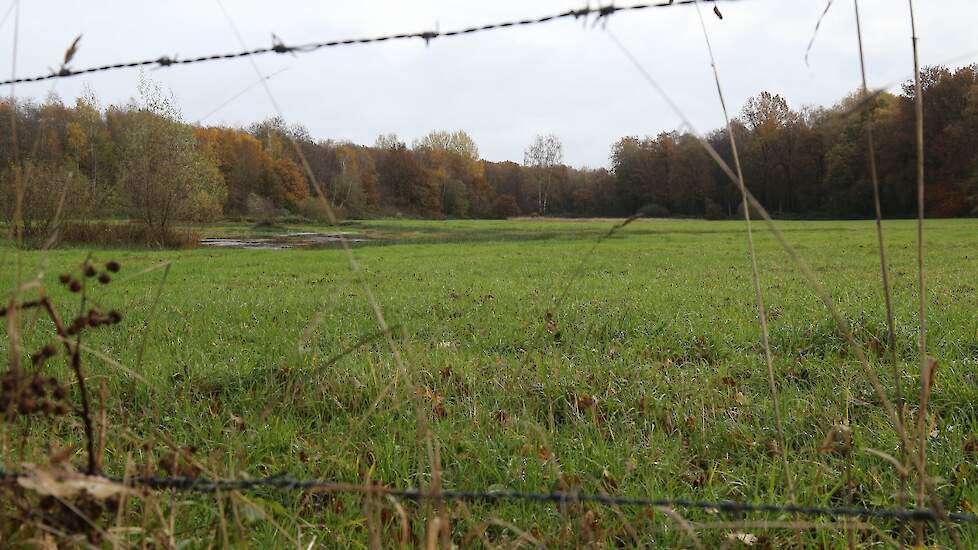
point(921, 288)
point(868, 122)
point(874, 179)
point(755, 272)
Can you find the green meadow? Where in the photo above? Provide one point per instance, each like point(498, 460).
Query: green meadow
point(540, 355)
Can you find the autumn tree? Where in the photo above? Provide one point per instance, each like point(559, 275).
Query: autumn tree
point(765, 154)
point(162, 172)
point(284, 182)
point(405, 180)
point(89, 145)
point(508, 178)
point(451, 161)
point(44, 187)
point(353, 184)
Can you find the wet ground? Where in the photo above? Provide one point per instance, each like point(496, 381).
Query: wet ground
point(284, 241)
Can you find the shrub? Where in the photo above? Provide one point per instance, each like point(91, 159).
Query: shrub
point(712, 210)
point(505, 206)
point(754, 213)
point(124, 234)
point(44, 185)
point(313, 208)
point(260, 208)
point(946, 200)
point(653, 210)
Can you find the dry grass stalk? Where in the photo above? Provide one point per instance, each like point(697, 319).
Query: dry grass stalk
point(874, 179)
point(684, 525)
point(755, 272)
point(921, 283)
point(884, 268)
point(522, 535)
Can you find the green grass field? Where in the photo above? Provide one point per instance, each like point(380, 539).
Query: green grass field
point(648, 379)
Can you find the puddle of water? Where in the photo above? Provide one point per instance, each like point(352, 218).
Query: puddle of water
point(303, 239)
point(243, 243)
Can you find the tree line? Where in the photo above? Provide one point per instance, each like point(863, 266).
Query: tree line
point(142, 161)
point(814, 162)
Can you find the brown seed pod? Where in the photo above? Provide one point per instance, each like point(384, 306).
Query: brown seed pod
point(105, 278)
point(115, 317)
point(112, 504)
point(60, 409)
point(50, 349)
point(42, 355)
point(37, 386)
point(113, 266)
point(90, 270)
point(60, 392)
point(64, 278)
point(77, 325)
point(27, 405)
point(46, 407)
point(74, 285)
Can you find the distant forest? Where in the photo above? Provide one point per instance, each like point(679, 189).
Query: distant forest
point(142, 161)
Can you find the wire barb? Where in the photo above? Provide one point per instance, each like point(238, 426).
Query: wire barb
point(278, 46)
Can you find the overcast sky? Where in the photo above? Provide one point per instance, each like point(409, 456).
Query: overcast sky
point(502, 86)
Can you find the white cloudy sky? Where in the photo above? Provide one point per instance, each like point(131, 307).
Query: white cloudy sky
point(502, 87)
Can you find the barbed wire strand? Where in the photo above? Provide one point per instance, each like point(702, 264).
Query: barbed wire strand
point(601, 12)
point(205, 485)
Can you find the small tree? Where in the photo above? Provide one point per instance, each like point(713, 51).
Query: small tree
point(162, 172)
point(455, 199)
point(542, 156)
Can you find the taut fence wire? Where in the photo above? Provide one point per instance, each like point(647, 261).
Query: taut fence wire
point(599, 12)
point(206, 485)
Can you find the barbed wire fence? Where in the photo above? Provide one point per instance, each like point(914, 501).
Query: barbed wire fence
point(590, 15)
point(596, 14)
point(283, 483)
